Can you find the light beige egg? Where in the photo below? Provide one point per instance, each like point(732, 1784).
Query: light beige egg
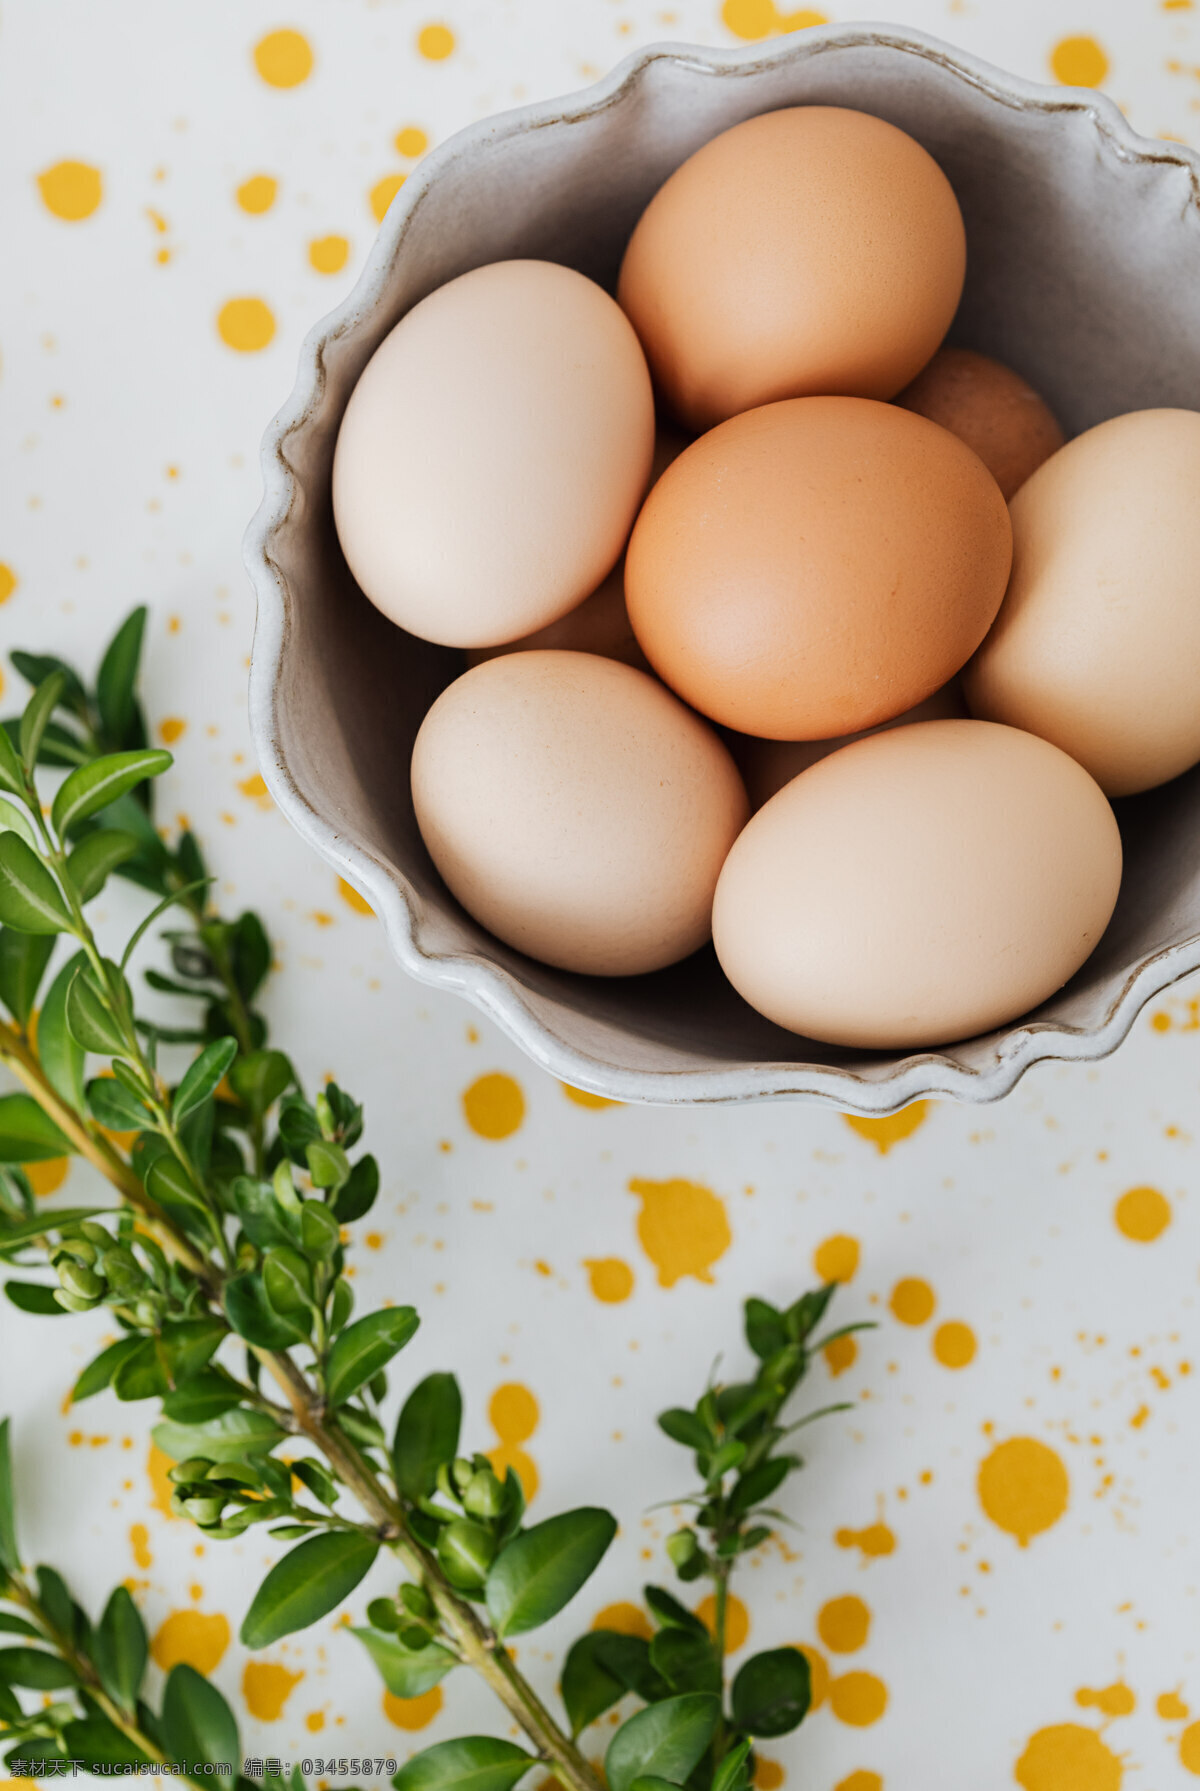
point(577, 810)
point(924, 885)
point(1097, 643)
point(494, 453)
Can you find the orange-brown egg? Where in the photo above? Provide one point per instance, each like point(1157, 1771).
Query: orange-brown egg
point(810, 250)
point(989, 407)
point(818, 566)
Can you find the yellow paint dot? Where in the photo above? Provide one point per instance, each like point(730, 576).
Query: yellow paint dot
point(513, 1412)
point(1111, 1700)
point(494, 1106)
point(839, 1355)
point(161, 1488)
point(192, 1637)
point(860, 1781)
point(1161, 1022)
point(139, 1542)
point(683, 1228)
point(1171, 1707)
point(837, 1258)
point(48, 1177)
point(581, 1097)
point(411, 142)
point(768, 1774)
point(412, 1713)
point(283, 58)
point(509, 1455)
point(1189, 1749)
point(327, 254)
point(383, 192)
point(352, 899)
point(266, 1686)
point(912, 1301)
point(954, 1344)
point(314, 1722)
point(71, 190)
point(610, 1279)
point(435, 42)
point(844, 1624)
point(1068, 1755)
point(171, 729)
point(750, 19)
point(737, 1620)
point(818, 1671)
point(257, 194)
point(8, 582)
point(246, 324)
point(884, 1133)
point(858, 1699)
point(255, 789)
point(1023, 1487)
point(802, 20)
point(1142, 1214)
point(876, 1540)
point(627, 1619)
point(1079, 62)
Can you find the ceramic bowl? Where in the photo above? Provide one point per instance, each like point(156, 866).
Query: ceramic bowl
point(1083, 273)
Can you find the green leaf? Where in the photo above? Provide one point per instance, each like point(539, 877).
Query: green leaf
point(252, 1315)
point(36, 667)
point(356, 1196)
point(90, 1018)
point(407, 1672)
point(665, 1741)
point(140, 1374)
point(328, 1164)
point(307, 1584)
point(627, 1658)
point(198, 1726)
point(61, 1056)
point(772, 1692)
point(588, 1688)
point(648, 1782)
point(188, 1344)
point(472, 1763)
point(96, 857)
point(202, 1077)
point(760, 1483)
point(12, 772)
point(120, 1649)
point(55, 1600)
point(168, 1183)
point(30, 899)
point(670, 1612)
point(264, 1221)
point(38, 711)
point(17, 1626)
point(112, 1105)
point(23, 961)
point(687, 1662)
point(28, 1135)
point(116, 682)
point(31, 1296)
point(287, 1279)
point(148, 920)
point(542, 1569)
point(60, 1219)
point(93, 786)
point(234, 1436)
point(203, 1397)
point(320, 1233)
point(685, 1427)
point(10, 1560)
point(34, 1668)
point(14, 817)
point(365, 1347)
point(99, 1743)
point(426, 1434)
point(765, 1332)
point(733, 1774)
point(260, 1078)
point(100, 1370)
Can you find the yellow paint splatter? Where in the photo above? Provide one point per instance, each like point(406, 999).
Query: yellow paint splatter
point(1078, 62)
point(884, 1133)
point(412, 1713)
point(1110, 1700)
point(860, 1781)
point(161, 1488)
point(843, 1624)
point(171, 729)
point(435, 42)
point(352, 899)
point(283, 58)
point(71, 190)
point(859, 1699)
point(627, 1619)
point(258, 194)
point(8, 582)
point(255, 790)
point(581, 1097)
point(383, 192)
point(494, 1106)
point(514, 1413)
point(768, 1774)
point(837, 1258)
point(328, 254)
point(48, 1177)
point(1171, 1707)
point(818, 1670)
point(1142, 1214)
point(1068, 1755)
point(314, 1722)
point(411, 141)
point(683, 1228)
point(246, 324)
point(912, 1301)
point(876, 1540)
point(139, 1542)
point(1023, 1487)
point(1189, 1749)
point(753, 20)
point(610, 1279)
point(954, 1344)
point(266, 1686)
point(839, 1355)
point(737, 1620)
point(191, 1636)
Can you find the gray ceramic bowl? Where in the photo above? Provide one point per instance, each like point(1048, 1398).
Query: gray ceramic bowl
point(1083, 273)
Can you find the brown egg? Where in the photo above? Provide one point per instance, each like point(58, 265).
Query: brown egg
point(989, 407)
point(811, 250)
point(815, 567)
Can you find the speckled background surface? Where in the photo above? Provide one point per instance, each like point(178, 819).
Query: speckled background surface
point(998, 1557)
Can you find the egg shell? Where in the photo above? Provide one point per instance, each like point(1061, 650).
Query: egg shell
point(989, 407)
point(767, 765)
point(921, 886)
point(494, 453)
point(817, 566)
point(577, 810)
point(810, 250)
point(1097, 645)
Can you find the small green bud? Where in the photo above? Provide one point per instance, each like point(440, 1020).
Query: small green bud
point(416, 1601)
point(78, 1279)
point(205, 1512)
point(682, 1547)
point(121, 1270)
point(96, 1234)
point(324, 1113)
point(285, 1187)
point(484, 1496)
point(462, 1472)
point(466, 1550)
point(148, 1311)
point(415, 1638)
point(72, 1302)
point(196, 1467)
point(382, 1614)
point(82, 1251)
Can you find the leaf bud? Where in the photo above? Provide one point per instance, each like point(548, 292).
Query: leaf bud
point(148, 1311)
point(285, 1187)
point(416, 1600)
point(466, 1550)
point(82, 1251)
point(96, 1234)
point(445, 1484)
point(382, 1614)
point(196, 1467)
point(72, 1302)
point(325, 1118)
point(682, 1547)
point(76, 1278)
point(205, 1512)
point(484, 1496)
point(121, 1269)
point(463, 1472)
point(415, 1638)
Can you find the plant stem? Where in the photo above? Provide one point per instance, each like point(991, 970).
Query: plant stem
point(721, 1573)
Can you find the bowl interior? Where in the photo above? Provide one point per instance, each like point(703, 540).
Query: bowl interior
point(1083, 259)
